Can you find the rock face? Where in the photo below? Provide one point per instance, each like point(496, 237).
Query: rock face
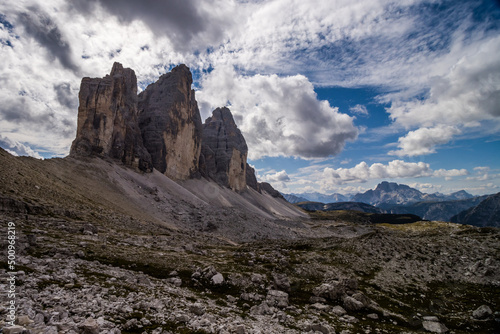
point(224, 151)
point(251, 179)
point(170, 123)
point(107, 119)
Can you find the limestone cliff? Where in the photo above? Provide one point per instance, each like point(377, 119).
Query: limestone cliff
point(251, 179)
point(107, 119)
point(170, 123)
point(224, 151)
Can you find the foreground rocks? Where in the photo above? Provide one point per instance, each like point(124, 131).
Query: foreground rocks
point(95, 278)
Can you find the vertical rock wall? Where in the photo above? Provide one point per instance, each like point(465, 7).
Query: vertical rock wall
point(170, 123)
point(107, 119)
point(224, 151)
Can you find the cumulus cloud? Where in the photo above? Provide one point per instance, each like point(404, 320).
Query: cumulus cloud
point(359, 109)
point(362, 172)
point(18, 149)
point(279, 116)
point(395, 169)
point(39, 25)
point(424, 140)
point(280, 176)
point(188, 24)
point(459, 101)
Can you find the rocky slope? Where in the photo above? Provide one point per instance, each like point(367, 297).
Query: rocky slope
point(224, 151)
point(107, 119)
point(170, 123)
point(486, 213)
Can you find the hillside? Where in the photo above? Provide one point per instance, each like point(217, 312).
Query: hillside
point(432, 210)
point(486, 213)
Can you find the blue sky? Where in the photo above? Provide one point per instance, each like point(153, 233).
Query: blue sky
point(331, 96)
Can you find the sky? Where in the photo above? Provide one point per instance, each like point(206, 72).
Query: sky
point(332, 96)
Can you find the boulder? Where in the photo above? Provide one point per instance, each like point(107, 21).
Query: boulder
point(170, 124)
point(432, 324)
point(277, 298)
point(482, 312)
point(224, 151)
point(90, 326)
point(107, 119)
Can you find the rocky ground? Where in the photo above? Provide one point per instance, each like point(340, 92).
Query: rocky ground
point(81, 277)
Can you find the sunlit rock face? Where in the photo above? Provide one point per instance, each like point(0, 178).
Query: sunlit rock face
point(170, 123)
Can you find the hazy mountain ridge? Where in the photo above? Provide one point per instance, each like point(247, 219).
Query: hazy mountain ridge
point(354, 206)
point(390, 197)
point(486, 213)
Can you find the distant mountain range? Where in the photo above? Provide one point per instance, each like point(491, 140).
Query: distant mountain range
point(355, 206)
point(316, 197)
point(396, 198)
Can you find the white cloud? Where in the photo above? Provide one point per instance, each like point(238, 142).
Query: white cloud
point(424, 140)
point(396, 169)
point(459, 101)
point(359, 109)
point(18, 149)
point(280, 176)
point(279, 116)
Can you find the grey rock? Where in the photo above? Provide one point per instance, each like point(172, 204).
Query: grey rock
point(90, 326)
point(320, 307)
point(24, 320)
point(352, 304)
point(482, 312)
point(107, 119)
point(251, 179)
point(281, 282)
point(13, 329)
point(338, 310)
point(434, 327)
point(224, 151)
point(217, 279)
point(197, 309)
point(277, 298)
point(170, 124)
point(261, 309)
point(324, 329)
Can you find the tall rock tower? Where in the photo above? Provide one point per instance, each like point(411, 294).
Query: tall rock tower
point(107, 119)
point(224, 151)
point(170, 123)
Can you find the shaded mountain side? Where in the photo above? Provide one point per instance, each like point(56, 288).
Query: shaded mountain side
point(486, 213)
point(440, 211)
point(224, 151)
point(354, 206)
point(94, 189)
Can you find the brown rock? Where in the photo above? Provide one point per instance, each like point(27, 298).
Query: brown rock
point(107, 119)
point(224, 151)
point(170, 123)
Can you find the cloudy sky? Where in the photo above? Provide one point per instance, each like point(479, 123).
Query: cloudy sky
point(331, 96)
